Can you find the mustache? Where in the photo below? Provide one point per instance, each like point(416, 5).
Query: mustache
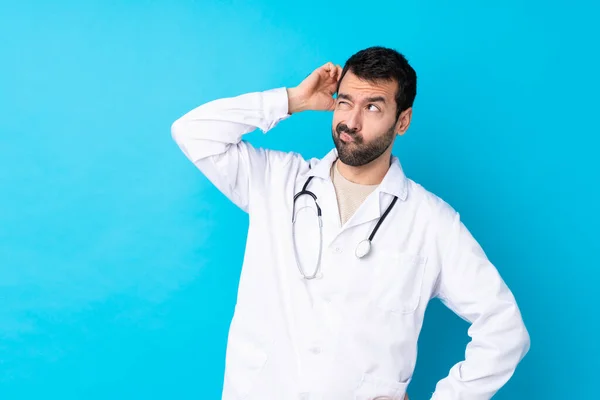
point(343, 128)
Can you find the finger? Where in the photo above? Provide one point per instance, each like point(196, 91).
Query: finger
point(325, 70)
point(337, 72)
point(330, 68)
point(327, 66)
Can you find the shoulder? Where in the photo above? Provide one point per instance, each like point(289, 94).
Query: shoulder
point(431, 205)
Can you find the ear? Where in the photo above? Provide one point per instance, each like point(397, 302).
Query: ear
point(403, 121)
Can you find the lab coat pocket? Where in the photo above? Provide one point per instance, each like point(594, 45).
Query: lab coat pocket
point(372, 387)
point(245, 361)
point(398, 282)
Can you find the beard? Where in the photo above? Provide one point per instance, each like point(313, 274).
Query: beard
point(357, 152)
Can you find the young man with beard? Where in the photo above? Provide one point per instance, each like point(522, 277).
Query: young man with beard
point(344, 253)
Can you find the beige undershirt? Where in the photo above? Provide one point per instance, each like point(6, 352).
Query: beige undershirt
point(350, 195)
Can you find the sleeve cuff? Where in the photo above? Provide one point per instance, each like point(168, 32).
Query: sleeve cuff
point(275, 106)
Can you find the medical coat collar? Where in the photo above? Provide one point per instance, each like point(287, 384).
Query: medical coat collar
point(394, 183)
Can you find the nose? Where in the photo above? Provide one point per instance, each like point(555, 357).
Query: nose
point(354, 121)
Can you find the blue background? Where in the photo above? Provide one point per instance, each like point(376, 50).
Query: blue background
point(119, 261)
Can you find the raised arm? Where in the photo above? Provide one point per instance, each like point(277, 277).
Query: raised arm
point(211, 135)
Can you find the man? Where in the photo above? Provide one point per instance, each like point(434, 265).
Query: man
point(345, 252)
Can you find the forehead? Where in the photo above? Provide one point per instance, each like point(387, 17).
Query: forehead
point(360, 89)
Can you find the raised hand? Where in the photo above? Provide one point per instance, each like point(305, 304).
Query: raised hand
point(316, 91)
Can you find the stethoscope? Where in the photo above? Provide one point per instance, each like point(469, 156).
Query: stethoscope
point(362, 249)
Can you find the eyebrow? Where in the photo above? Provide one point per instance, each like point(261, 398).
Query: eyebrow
point(374, 99)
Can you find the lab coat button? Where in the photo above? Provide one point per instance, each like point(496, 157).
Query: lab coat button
point(337, 250)
point(315, 350)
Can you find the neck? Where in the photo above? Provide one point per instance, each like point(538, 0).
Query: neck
point(368, 174)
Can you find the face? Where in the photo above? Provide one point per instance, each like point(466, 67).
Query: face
point(364, 120)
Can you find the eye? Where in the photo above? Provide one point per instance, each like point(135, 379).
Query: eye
point(373, 107)
point(343, 103)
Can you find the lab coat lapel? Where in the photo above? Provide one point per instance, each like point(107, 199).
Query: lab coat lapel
point(323, 188)
point(394, 184)
point(367, 211)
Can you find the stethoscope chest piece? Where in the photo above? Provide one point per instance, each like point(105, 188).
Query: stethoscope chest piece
point(363, 248)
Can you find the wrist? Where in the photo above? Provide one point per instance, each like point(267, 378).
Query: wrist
point(296, 102)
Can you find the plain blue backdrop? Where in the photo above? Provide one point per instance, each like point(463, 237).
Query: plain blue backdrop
point(119, 261)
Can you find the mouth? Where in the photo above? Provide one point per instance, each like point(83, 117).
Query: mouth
point(346, 138)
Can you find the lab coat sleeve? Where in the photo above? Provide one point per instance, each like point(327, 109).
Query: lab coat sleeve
point(472, 288)
point(210, 136)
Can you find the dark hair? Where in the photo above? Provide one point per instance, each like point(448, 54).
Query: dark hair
point(380, 63)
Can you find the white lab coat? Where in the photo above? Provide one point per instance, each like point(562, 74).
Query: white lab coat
point(352, 333)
